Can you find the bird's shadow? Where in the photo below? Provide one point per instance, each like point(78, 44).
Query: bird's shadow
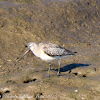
point(72, 66)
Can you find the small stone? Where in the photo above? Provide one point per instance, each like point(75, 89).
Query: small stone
point(9, 60)
point(76, 90)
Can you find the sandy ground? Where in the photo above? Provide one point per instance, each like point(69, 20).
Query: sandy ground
point(73, 24)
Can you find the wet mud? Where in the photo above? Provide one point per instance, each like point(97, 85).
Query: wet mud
point(73, 24)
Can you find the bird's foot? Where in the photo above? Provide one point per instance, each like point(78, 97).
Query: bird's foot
point(58, 73)
point(49, 75)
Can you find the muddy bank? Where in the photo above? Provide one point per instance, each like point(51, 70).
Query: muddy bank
point(73, 24)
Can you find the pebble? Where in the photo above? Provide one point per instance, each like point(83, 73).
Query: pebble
point(76, 90)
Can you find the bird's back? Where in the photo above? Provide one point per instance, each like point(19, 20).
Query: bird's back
point(55, 50)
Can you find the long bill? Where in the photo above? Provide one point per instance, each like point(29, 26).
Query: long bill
point(23, 55)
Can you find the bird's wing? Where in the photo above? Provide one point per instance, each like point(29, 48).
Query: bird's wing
point(55, 50)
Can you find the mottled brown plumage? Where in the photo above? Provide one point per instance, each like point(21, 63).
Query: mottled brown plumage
point(55, 50)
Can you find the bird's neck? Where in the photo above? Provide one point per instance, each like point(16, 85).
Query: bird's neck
point(35, 49)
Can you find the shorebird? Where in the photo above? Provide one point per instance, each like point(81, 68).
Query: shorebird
point(48, 52)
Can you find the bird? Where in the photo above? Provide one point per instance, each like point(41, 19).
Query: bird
point(48, 52)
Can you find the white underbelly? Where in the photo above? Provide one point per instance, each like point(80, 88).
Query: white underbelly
point(46, 57)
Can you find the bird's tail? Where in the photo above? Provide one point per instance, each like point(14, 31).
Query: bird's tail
point(73, 53)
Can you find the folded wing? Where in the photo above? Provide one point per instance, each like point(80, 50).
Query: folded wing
point(55, 50)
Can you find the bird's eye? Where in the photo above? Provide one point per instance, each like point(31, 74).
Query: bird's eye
point(26, 46)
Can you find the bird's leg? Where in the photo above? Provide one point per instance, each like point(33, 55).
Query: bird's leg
point(58, 73)
point(49, 69)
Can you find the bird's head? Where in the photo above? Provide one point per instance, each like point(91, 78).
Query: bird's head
point(31, 45)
